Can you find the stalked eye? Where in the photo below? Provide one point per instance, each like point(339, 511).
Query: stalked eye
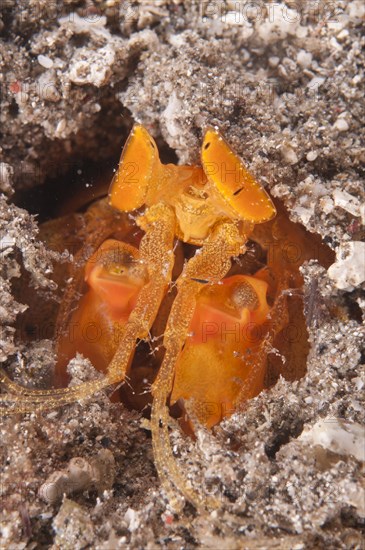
point(244, 295)
point(248, 292)
point(116, 275)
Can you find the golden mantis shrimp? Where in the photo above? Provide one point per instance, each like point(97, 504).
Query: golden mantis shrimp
point(218, 327)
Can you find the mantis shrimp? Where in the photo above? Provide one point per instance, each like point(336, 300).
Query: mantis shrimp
point(218, 327)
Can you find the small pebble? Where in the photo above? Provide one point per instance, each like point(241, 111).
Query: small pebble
point(341, 125)
point(274, 61)
point(61, 126)
point(312, 155)
point(326, 204)
point(289, 155)
point(304, 59)
point(343, 34)
point(45, 61)
point(316, 82)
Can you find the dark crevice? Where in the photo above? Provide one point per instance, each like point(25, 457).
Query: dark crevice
point(353, 308)
point(73, 186)
point(290, 428)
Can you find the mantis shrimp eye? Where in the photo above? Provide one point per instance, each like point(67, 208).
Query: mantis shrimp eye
point(249, 293)
point(244, 295)
point(116, 276)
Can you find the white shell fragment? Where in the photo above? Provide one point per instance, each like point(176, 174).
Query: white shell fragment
point(6, 176)
point(343, 438)
point(348, 271)
point(132, 518)
point(82, 71)
point(80, 475)
point(347, 202)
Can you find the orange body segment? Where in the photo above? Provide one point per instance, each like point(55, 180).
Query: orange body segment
point(219, 354)
point(114, 277)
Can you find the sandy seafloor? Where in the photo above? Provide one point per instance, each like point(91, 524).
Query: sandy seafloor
point(283, 81)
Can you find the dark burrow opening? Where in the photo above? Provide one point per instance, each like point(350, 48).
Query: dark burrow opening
point(74, 186)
